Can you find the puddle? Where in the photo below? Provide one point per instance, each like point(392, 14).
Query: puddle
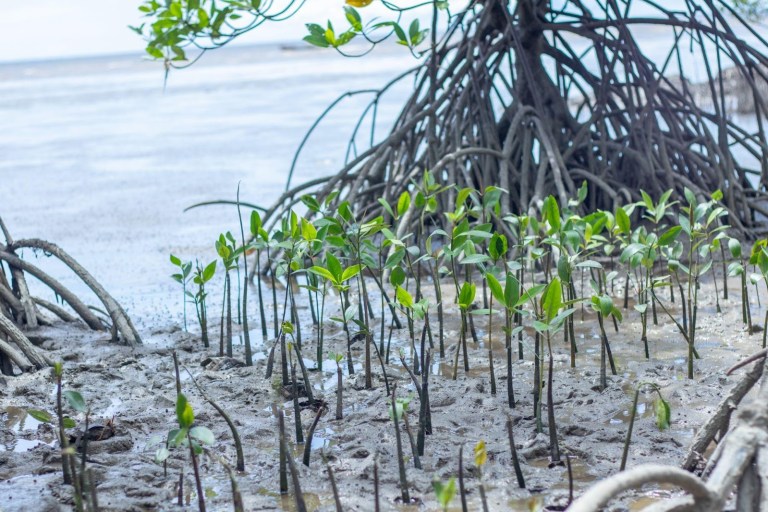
point(18, 420)
point(25, 445)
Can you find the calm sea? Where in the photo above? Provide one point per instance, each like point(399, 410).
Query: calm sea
point(96, 156)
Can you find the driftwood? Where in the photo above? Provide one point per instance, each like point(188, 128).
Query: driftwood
point(19, 309)
point(739, 464)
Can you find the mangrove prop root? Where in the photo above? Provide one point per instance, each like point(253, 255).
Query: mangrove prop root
point(493, 113)
point(720, 419)
point(31, 353)
point(116, 312)
point(67, 296)
point(600, 494)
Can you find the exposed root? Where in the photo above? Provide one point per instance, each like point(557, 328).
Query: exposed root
point(601, 493)
point(119, 318)
point(19, 309)
point(506, 99)
point(37, 358)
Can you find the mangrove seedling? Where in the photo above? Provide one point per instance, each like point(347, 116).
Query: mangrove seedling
point(182, 277)
point(444, 492)
point(513, 450)
point(285, 457)
point(603, 306)
point(413, 311)
point(295, 395)
point(259, 241)
point(395, 413)
point(402, 404)
point(191, 436)
point(508, 297)
point(84, 492)
point(311, 435)
point(462, 489)
point(235, 434)
point(759, 258)
point(466, 298)
point(481, 457)
point(332, 479)
point(338, 276)
point(497, 249)
point(337, 358)
point(243, 251)
point(200, 278)
point(663, 416)
point(550, 321)
point(225, 248)
point(739, 268)
point(700, 222)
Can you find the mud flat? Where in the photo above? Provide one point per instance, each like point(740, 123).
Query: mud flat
point(136, 390)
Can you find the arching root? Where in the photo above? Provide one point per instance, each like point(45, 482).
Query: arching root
point(19, 309)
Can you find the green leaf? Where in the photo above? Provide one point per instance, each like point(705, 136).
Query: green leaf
point(606, 305)
point(647, 200)
point(474, 259)
point(76, 401)
point(353, 17)
point(462, 196)
point(311, 203)
point(631, 250)
point(397, 276)
point(445, 492)
point(734, 246)
point(497, 247)
point(555, 322)
point(467, 295)
point(552, 299)
point(582, 194)
point(175, 260)
point(663, 413)
point(324, 273)
point(689, 196)
point(551, 213)
point(209, 271)
point(403, 203)
point(622, 221)
point(203, 434)
point(69, 423)
point(386, 207)
point(397, 413)
point(161, 455)
point(495, 287)
point(308, 231)
point(403, 297)
point(735, 269)
point(529, 294)
point(39, 415)
point(334, 267)
point(350, 272)
point(669, 235)
point(511, 290)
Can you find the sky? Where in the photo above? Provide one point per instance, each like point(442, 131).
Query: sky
point(48, 29)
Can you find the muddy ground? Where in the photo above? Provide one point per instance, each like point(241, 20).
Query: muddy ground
point(136, 387)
